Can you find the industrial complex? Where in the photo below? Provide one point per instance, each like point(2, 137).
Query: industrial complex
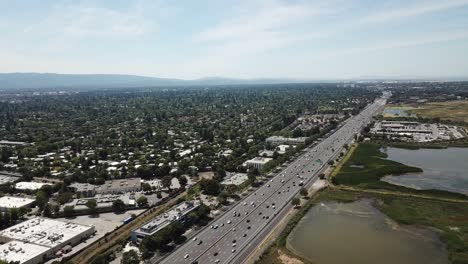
point(10, 202)
point(416, 131)
point(38, 239)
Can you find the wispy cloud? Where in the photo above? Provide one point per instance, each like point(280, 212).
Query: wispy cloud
point(85, 19)
point(273, 17)
point(417, 40)
point(411, 10)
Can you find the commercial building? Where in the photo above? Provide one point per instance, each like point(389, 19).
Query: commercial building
point(257, 162)
point(277, 140)
point(39, 234)
point(13, 143)
point(29, 186)
point(6, 177)
point(176, 213)
point(24, 253)
point(235, 179)
point(83, 189)
point(419, 132)
point(102, 201)
point(10, 202)
point(120, 186)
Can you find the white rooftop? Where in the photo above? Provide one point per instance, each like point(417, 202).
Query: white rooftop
point(168, 217)
point(14, 202)
point(44, 231)
point(235, 179)
point(30, 185)
point(17, 251)
point(259, 160)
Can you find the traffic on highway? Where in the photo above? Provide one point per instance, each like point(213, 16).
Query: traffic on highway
point(232, 233)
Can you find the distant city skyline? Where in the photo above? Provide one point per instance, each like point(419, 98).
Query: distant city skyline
point(307, 40)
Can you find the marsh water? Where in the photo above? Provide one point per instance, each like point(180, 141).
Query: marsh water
point(396, 111)
point(443, 169)
point(335, 233)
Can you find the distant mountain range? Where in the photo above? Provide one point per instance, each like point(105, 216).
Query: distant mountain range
point(53, 80)
point(99, 81)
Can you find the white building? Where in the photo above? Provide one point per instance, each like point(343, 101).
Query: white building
point(24, 253)
point(283, 148)
point(277, 140)
point(31, 186)
point(176, 213)
point(257, 162)
point(46, 232)
point(10, 202)
point(235, 179)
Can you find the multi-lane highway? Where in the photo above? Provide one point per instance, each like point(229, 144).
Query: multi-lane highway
point(234, 235)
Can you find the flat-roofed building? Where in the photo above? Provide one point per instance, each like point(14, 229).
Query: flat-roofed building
point(6, 177)
point(120, 186)
point(235, 179)
point(10, 202)
point(257, 162)
point(47, 232)
point(83, 189)
point(13, 143)
point(277, 140)
point(176, 213)
point(30, 186)
point(24, 253)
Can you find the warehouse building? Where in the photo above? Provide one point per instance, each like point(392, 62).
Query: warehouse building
point(83, 189)
point(277, 140)
point(177, 213)
point(48, 233)
point(120, 186)
point(29, 186)
point(24, 253)
point(10, 202)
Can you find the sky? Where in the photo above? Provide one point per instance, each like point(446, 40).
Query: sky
point(191, 39)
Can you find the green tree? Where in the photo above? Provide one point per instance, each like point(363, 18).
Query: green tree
point(41, 199)
point(47, 210)
point(304, 192)
point(166, 182)
point(92, 205)
point(130, 257)
point(252, 175)
point(146, 187)
point(14, 215)
point(182, 181)
point(142, 201)
point(210, 186)
point(296, 202)
point(69, 210)
point(118, 206)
